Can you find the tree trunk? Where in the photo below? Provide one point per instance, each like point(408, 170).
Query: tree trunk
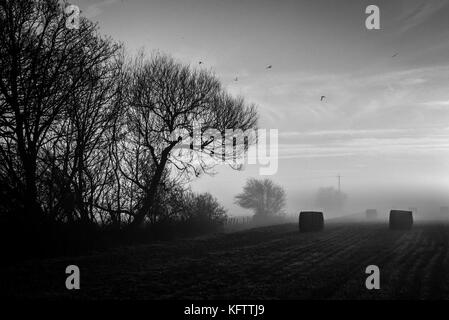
point(151, 195)
point(33, 211)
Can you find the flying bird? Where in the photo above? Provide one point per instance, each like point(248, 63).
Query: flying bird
point(269, 66)
point(236, 79)
point(322, 98)
point(201, 62)
point(395, 55)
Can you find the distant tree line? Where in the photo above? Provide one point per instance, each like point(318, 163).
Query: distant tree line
point(331, 199)
point(86, 133)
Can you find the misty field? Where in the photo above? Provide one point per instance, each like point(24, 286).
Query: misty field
point(274, 262)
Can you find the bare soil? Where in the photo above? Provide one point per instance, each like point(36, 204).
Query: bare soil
point(274, 262)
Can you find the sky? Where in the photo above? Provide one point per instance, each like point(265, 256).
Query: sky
point(384, 124)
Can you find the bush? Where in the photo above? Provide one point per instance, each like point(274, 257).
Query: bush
point(202, 214)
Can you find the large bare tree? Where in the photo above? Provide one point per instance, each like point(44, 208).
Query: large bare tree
point(165, 100)
point(44, 70)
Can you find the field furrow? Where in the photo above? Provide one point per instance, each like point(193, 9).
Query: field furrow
point(266, 263)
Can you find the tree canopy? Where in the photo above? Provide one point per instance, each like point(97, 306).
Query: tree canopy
point(264, 197)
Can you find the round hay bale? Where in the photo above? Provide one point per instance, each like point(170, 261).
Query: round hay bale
point(401, 219)
point(311, 221)
point(371, 213)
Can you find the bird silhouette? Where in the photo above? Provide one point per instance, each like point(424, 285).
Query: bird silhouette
point(322, 98)
point(395, 55)
point(236, 79)
point(201, 62)
point(269, 66)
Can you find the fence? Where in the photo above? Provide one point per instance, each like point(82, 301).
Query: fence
point(238, 220)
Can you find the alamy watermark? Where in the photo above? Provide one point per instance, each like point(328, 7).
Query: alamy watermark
point(231, 146)
point(73, 17)
point(373, 280)
point(73, 280)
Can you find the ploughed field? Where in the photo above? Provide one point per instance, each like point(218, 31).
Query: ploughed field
point(274, 262)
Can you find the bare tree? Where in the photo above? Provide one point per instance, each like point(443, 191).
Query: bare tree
point(43, 67)
point(83, 135)
point(264, 197)
point(166, 98)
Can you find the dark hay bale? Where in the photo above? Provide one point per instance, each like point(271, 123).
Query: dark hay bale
point(371, 213)
point(401, 219)
point(311, 221)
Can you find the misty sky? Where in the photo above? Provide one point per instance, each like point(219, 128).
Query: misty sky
point(385, 123)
